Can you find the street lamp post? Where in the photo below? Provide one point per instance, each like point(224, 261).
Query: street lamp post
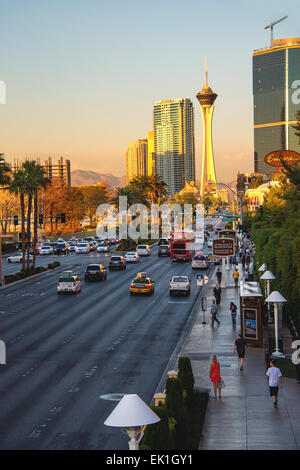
point(268, 277)
point(132, 415)
point(276, 298)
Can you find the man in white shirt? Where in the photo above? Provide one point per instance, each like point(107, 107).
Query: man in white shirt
point(275, 379)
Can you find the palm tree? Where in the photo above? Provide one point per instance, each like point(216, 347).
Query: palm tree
point(38, 181)
point(18, 187)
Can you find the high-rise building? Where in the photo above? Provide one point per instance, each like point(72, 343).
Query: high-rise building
point(206, 98)
point(151, 153)
point(60, 170)
point(174, 149)
point(137, 159)
point(276, 99)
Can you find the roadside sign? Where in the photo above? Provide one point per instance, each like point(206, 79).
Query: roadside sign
point(227, 234)
point(202, 279)
point(203, 304)
point(223, 247)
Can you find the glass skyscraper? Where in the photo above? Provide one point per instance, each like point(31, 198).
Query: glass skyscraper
point(276, 99)
point(174, 150)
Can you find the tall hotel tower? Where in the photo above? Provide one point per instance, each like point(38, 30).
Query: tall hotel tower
point(206, 98)
point(174, 152)
point(276, 99)
point(137, 159)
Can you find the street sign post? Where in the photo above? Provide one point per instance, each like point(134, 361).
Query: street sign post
point(203, 308)
point(202, 279)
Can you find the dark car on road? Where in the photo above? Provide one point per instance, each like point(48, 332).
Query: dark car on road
point(95, 272)
point(164, 250)
point(117, 262)
point(163, 241)
point(61, 248)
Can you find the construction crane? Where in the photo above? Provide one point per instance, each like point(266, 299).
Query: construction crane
point(273, 24)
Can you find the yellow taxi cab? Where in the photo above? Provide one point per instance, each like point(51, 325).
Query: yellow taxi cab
point(142, 284)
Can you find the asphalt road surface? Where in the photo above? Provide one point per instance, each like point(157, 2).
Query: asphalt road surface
point(64, 352)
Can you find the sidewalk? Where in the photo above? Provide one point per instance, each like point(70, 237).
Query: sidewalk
point(244, 419)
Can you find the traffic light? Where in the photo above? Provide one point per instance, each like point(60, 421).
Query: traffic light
point(194, 215)
point(16, 220)
point(241, 229)
point(41, 219)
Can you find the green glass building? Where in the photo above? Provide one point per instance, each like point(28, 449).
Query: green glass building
point(276, 99)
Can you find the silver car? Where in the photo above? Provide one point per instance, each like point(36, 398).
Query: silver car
point(180, 285)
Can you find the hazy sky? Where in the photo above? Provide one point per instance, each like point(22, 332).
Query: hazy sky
point(82, 76)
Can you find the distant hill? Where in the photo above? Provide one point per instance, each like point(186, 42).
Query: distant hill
point(86, 177)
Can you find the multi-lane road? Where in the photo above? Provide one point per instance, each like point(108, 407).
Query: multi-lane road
point(64, 352)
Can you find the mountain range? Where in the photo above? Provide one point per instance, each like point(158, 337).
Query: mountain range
point(87, 177)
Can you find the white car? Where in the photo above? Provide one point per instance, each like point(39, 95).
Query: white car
point(143, 250)
point(132, 257)
point(200, 261)
point(180, 285)
point(209, 243)
point(46, 250)
point(103, 248)
point(68, 282)
point(18, 258)
point(82, 248)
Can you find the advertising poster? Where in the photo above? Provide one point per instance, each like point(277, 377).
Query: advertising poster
point(250, 323)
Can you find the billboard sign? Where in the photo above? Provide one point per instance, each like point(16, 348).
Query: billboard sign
point(288, 156)
point(223, 247)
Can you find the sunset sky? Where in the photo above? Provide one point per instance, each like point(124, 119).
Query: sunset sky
point(82, 76)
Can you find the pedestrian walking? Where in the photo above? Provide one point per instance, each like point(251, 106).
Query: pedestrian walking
point(236, 276)
point(219, 275)
point(240, 348)
point(243, 260)
point(217, 293)
point(214, 313)
point(246, 275)
point(233, 309)
point(241, 253)
point(215, 377)
point(275, 379)
point(248, 261)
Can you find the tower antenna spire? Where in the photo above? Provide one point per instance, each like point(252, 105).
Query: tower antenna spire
point(206, 82)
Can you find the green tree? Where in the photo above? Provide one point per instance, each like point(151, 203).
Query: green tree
point(185, 374)
point(297, 126)
point(93, 197)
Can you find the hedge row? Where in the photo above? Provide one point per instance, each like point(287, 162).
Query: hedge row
point(181, 418)
point(8, 279)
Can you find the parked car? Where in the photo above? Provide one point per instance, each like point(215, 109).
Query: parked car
point(180, 285)
point(68, 282)
point(17, 258)
point(117, 262)
point(82, 248)
point(213, 259)
point(164, 250)
point(95, 272)
point(143, 250)
point(132, 257)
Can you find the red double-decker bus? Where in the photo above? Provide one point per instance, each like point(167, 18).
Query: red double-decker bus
point(182, 246)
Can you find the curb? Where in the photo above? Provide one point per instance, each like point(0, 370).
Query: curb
point(28, 278)
point(175, 354)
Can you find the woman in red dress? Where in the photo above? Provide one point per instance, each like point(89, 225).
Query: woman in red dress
point(215, 376)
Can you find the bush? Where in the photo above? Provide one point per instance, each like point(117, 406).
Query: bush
point(185, 374)
point(56, 264)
